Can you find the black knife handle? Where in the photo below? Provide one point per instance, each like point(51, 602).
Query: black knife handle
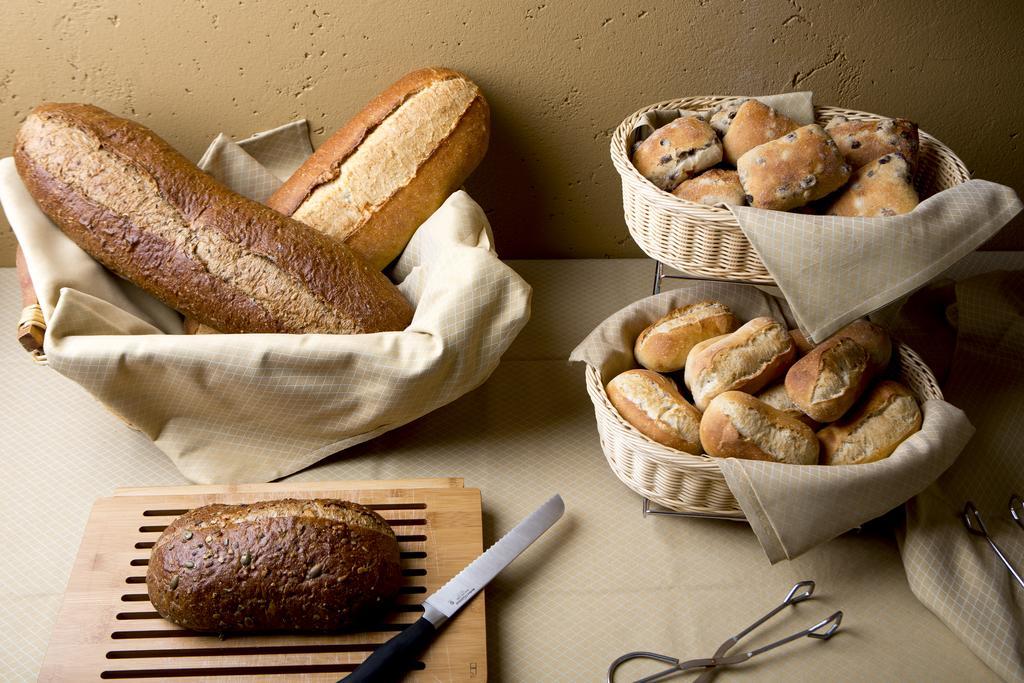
point(392, 660)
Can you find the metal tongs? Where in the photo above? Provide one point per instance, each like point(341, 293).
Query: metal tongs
point(823, 630)
point(976, 525)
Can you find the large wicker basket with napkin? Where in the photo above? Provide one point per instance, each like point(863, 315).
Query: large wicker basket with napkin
point(707, 240)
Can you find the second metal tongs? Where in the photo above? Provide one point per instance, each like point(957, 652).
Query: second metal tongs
point(976, 525)
point(823, 630)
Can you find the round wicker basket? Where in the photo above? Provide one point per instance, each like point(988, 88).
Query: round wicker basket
point(694, 483)
point(706, 240)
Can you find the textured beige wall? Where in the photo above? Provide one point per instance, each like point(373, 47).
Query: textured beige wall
point(559, 75)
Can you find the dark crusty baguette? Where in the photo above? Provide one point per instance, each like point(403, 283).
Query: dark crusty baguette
point(379, 177)
point(145, 212)
point(281, 565)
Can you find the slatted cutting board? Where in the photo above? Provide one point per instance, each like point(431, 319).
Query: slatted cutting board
point(108, 630)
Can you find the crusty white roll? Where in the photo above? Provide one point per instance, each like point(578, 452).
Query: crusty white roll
point(652, 404)
point(861, 142)
point(883, 187)
point(666, 342)
point(714, 186)
point(777, 398)
point(737, 425)
point(746, 360)
point(755, 123)
point(887, 416)
point(678, 150)
point(830, 379)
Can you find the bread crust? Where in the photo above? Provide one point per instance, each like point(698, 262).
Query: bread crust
point(884, 187)
point(678, 150)
point(283, 565)
point(652, 404)
point(714, 186)
point(874, 429)
point(348, 296)
point(861, 142)
point(755, 123)
point(382, 237)
point(664, 345)
point(738, 425)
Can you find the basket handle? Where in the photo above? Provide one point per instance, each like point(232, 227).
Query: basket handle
point(31, 324)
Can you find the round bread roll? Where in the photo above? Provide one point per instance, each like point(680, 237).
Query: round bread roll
point(755, 123)
point(714, 186)
point(746, 360)
point(798, 168)
point(737, 425)
point(723, 115)
point(830, 379)
point(861, 142)
point(883, 187)
point(653, 405)
point(666, 342)
point(874, 429)
point(677, 151)
point(777, 398)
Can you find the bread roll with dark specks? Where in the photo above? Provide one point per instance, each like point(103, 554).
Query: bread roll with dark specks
point(714, 186)
point(746, 360)
point(777, 398)
point(883, 187)
point(678, 150)
point(277, 565)
point(652, 404)
point(874, 429)
point(378, 178)
point(755, 123)
point(666, 342)
point(722, 116)
point(147, 213)
point(737, 425)
point(830, 379)
point(789, 172)
point(861, 142)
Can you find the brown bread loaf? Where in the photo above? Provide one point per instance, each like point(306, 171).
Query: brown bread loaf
point(666, 342)
point(829, 379)
point(377, 179)
point(737, 425)
point(886, 417)
point(281, 565)
point(653, 405)
point(145, 212)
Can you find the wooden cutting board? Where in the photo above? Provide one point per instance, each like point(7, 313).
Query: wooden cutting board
point(108, 630)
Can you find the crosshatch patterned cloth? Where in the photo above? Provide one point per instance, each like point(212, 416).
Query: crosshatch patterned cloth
point(834, 269)
point(255, 407)
point(793, 508)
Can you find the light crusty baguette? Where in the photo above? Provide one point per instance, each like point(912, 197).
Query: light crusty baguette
point(376, 180)
point(746, 360)
point(830, 379)
point(737, 425)
point(777, 398)
point(666, 342)
point(280, 565)
point(652, 404)
point(145, 212)
point(886, 417)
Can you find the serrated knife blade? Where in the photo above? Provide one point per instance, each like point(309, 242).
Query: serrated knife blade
point(390, 659)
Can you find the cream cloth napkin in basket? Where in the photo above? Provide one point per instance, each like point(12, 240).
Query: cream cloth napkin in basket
point(792, 508)
point(255, 407)
point(833, 269)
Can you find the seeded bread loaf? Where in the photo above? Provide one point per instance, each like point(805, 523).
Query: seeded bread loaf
point(829, 379)
point(874, 429)
point(282, 565)
point(861, 142)
point(883, 187)
point(678, 150)
point(652, 404)
point(714, 186)
point(798, 168)
point(666, 342)
point(145, 212)
point(737, 425)
point(747, 360)
point(755, 123)
point(376, 180)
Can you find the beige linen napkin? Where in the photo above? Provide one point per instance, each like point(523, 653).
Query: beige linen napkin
point(255, 407)
point(834, 270)
point(792, 508)
point(955, 574)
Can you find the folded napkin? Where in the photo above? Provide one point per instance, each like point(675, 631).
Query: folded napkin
point(834, 269)
point(792, 508)
point(953, 573)
point(255, 407)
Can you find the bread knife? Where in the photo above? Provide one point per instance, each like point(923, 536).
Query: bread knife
point(392, 659)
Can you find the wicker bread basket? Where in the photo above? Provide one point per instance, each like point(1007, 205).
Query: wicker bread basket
point(706, 240)
point(694, 483)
